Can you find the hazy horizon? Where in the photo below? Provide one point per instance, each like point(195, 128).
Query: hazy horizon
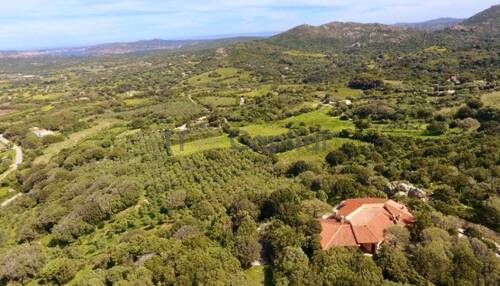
point(193, 38)
point(38, 24)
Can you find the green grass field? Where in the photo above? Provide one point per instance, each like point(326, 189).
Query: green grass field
point(315, 152)
point(340, 92)
point(218, 142)
point(415, 130)
point(449, 111)
point(264, 129)
point(216, 101)
point(137, 101)
point(491, 99)
point(47, 107)
point(416, 133)
point(436, 49)
point(259, 91)
point(73, 140)
point(346, 92)
point(321, 118)
point(51, 96)
point(308, 104)
point(397, 83)
point(295, 53)
point(226, 75)
point(256, 276)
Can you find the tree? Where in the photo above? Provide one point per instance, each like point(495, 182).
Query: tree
point(291, 267)
point(365, 82)
point(466, 267)
point(474, 103)
point(397, 236)
point(21, 263)
point(465, 112)
point(432, 262)
point(59, 271)
point(394, 264)
point(297, 168)
point(336, 157)
point(343, 186)
point(489, 212)
point(488, 113)
point(283, 204)
point(91, 278)
point(490, 269)
point(344, 266)
point(362, 124)
point(247, 250)
point(278, 236)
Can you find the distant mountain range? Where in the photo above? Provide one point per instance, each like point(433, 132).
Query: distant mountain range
point(487, 21)
point(376, 38)
point(130, 47)
point(103, 49)
point(335, 36)
point(339, 37)
point(432, 25)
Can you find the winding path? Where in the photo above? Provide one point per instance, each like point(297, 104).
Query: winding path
point(8, 201)
point(18, 159)
point(197, 121)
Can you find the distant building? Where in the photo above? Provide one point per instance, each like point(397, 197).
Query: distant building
point(40, 132)
point(361, 222)
point(334, 102)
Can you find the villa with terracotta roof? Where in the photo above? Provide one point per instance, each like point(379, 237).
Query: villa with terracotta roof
point(362, 222)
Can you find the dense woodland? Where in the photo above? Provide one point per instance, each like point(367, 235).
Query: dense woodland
point(187, 167)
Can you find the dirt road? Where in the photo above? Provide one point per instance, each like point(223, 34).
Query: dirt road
point(18, 158)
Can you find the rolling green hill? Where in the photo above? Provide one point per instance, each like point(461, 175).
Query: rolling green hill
point(212, 166)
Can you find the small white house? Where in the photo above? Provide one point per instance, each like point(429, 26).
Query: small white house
point(40, 132)
point(342, 101)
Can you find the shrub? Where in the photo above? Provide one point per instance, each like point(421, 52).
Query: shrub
point(298, 168)
point(437, 128)
point(365, 82)
point(59, 271)
point(336, 157)
point(474, 103)
point(465, 112)
point(469, 124)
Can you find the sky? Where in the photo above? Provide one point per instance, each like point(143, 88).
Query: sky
point(40, 24)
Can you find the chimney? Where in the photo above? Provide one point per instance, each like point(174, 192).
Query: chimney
point(335, 213)
point(396, 218)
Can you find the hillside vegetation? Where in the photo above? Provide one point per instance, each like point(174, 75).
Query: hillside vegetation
point(211, 166)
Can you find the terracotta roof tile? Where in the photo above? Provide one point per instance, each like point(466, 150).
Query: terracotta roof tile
point(336, 233)
point(365, 221)
point(348, 206)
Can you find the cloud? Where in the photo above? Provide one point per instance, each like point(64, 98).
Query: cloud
point(43, 23)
